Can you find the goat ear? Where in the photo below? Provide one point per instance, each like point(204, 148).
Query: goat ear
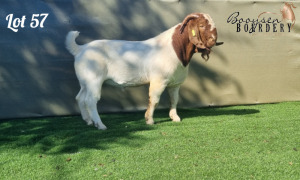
point(194, 35)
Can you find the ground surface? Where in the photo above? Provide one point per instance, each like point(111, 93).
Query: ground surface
point(238, 142)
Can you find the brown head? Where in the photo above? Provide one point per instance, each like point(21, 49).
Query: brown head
point(201, 32)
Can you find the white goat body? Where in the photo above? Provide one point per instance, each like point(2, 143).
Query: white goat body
point(127, 63)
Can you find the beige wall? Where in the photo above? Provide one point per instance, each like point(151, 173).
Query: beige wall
point(37, 75)
point(250, 68)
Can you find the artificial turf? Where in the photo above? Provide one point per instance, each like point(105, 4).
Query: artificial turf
point(237, 142)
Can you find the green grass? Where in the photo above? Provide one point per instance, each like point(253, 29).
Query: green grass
point(238, 142)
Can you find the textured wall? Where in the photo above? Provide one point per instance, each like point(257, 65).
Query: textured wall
point(37, 76)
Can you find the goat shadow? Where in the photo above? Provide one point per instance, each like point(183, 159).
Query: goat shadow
point(70, 134)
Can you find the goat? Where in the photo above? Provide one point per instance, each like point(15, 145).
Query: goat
point(161, 61)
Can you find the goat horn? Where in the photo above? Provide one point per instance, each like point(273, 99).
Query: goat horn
point(219, 43)
point(186, 20)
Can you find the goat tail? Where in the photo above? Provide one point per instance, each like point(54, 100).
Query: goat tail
point(71, 44)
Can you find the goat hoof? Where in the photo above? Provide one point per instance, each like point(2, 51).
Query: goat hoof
point(100, 126)
point(176, 119)
point(150, 122)
point(89, 123)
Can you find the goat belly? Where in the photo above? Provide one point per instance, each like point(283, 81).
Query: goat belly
point(122, 73)
point(127, 62)
point(137, 82)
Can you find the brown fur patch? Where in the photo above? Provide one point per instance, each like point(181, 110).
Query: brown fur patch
point(198, 36)
point(182, 46)
point(205, 30)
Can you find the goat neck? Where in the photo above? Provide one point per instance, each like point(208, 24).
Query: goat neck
point(182, 46)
